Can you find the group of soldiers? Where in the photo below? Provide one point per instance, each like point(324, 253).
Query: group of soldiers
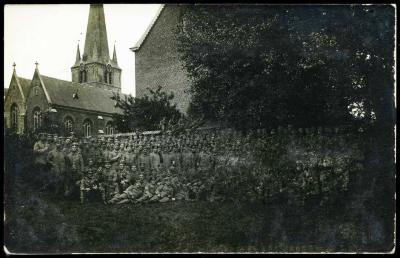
point(140, 168)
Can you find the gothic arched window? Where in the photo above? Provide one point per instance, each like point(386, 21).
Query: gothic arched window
point(68, 124)
point(108, 74)
point(109, 128)
point(82, 74)
point(14, 116)
point(87, 128)
point(37, 119)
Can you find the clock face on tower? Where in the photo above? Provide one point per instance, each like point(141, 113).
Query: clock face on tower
point(109, 68)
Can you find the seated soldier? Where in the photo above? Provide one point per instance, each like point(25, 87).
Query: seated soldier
point(167, 191)
point(90, 182)
point(121, 178)
point(148, 192)
point(181, 190)
point(158, 191)
point(131, 194)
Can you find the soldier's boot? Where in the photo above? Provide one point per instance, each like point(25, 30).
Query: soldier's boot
point(123, 201)
point(103, 196)
point(82, 197)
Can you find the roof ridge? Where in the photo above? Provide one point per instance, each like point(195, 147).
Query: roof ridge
point(19, 77)
point(147, 31)
point(54, 78)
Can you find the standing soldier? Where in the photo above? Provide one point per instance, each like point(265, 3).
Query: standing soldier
point(144, 160)
point(154, 159)
point(50, 143)
point(108, 181)
point(57, 160)
point(40, 151)
point(74, 176)
point(115, 156)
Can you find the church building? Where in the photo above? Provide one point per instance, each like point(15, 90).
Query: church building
point(83, 105)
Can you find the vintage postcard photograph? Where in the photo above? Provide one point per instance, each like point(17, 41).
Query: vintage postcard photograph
point(199, 128)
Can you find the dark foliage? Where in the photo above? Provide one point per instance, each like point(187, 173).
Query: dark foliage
point(264, 66)
point(146, 113)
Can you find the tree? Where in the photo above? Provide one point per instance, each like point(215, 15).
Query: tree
point(264, 66)
point(146, 113)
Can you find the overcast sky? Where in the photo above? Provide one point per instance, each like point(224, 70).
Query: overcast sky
point(49, 34)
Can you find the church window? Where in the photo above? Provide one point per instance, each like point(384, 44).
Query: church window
point(87, 128)
point(68, 124)
point(108, 75)
point(14, 116)
point(109, 128)
point(82, 76)
point(36, 91)
point(37, 119)
point(82, 73)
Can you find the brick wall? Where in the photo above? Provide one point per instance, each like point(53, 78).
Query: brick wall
point(157, 61)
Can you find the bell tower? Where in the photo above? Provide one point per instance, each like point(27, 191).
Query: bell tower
point(95, 67)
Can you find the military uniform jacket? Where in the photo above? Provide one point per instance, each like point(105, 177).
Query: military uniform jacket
point(76, 164)
point(40, 151)
point(154, 161)
point(57, 159)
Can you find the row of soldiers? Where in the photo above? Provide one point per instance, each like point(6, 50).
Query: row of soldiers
point(169, 167)
point(159, 168)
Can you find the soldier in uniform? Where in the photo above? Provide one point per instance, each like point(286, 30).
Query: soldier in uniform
point(115, 156)
point(121, 178)
point(108, 181)
point(76, 167)
point(144, 160)
point(40, 150)
point(91, 182)
point(148, 192)
point(132, 193)
point(154, 159)
point(58, 168)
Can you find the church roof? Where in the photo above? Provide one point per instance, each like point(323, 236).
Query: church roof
point(88, 97)
point(25, 83)
point(144, 36)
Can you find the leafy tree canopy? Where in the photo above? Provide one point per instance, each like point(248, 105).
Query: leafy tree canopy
point(264, 66)
point(147, 113)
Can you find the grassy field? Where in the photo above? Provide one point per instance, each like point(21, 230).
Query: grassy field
point(41, 222)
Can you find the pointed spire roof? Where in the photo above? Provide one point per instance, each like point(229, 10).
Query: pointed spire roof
point(115, 56)
point(14, 70)
point(78, 56)
point(96, 44)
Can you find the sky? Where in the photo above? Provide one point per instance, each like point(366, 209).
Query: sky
point(49, 34)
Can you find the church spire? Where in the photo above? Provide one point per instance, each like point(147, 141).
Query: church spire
point(115, 56)
point(78, 56)
point(96, 44)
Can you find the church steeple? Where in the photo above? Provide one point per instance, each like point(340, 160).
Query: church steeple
point(96, 44)
point(95, 66)
point(78, 56)
point(114, 59)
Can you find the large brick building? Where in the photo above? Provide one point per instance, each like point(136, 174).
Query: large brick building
point(157, 60)
point(83, 105)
